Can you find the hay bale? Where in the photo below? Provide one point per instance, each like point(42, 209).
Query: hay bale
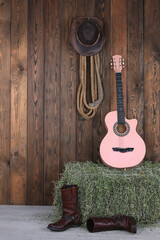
point(105, 191)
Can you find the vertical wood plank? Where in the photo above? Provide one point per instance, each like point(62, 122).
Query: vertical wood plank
point(151, 79)
point(118, 46)
point(68, 87)
point(35, 102)
point(84, 127)
point(52, 96)
point(135, 63)
point(56, 132)
point(18, 169)
point(5, 102)
point(102, 10)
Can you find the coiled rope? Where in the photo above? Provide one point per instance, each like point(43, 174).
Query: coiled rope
point(88, 110)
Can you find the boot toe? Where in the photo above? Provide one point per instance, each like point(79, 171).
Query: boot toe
point(51, 226)
point(133, 225)
point(56, 228)
point(59, 226)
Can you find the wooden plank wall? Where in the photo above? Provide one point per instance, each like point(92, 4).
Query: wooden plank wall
point(40, 129)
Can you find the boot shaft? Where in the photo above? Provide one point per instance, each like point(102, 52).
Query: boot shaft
point(118, 222)
point(69, 194)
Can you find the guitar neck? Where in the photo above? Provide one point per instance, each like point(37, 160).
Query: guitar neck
point(120, 104)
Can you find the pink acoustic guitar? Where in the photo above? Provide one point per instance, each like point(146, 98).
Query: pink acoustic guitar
point(122, 147)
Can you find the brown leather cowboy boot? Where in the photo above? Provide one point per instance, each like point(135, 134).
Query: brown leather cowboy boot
point(117, 222)
point(71, 215)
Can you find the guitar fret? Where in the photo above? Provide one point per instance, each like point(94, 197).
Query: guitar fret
point(120, 104)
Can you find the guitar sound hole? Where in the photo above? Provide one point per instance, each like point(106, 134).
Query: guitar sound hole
point(121, 128)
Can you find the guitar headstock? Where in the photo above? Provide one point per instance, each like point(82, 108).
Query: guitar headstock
point(117, 63)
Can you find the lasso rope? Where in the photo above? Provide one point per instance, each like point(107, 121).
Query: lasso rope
point(88, 110)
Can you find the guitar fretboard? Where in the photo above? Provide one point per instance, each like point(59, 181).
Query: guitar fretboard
point(120, 104)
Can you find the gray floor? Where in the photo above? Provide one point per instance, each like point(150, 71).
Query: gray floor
point(30, 222)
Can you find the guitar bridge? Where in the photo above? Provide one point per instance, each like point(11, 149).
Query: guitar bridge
point(123, 150)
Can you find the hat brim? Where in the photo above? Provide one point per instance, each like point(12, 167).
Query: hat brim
point(78, 46)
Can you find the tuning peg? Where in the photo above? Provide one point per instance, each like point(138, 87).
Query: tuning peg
point(123, 62)
point(111, 63)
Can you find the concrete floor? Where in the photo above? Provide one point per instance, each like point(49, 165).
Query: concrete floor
point(30, 223)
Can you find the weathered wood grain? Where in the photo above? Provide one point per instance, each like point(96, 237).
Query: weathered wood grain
point(52, 97)
point(135, 78)
point(35, 102)
point(152, 79)
point(102, 10)
point(5, 102)
point(118, 25)
point(18, 165)
point(68, 87)
point(84, 138)
point(40, 128)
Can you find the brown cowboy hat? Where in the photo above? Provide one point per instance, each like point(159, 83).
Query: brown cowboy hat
point(87, 35)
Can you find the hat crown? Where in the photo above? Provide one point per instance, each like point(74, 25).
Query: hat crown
point(88, 32)
point(87, 35)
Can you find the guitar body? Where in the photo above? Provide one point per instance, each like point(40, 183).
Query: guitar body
point(121, 150)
